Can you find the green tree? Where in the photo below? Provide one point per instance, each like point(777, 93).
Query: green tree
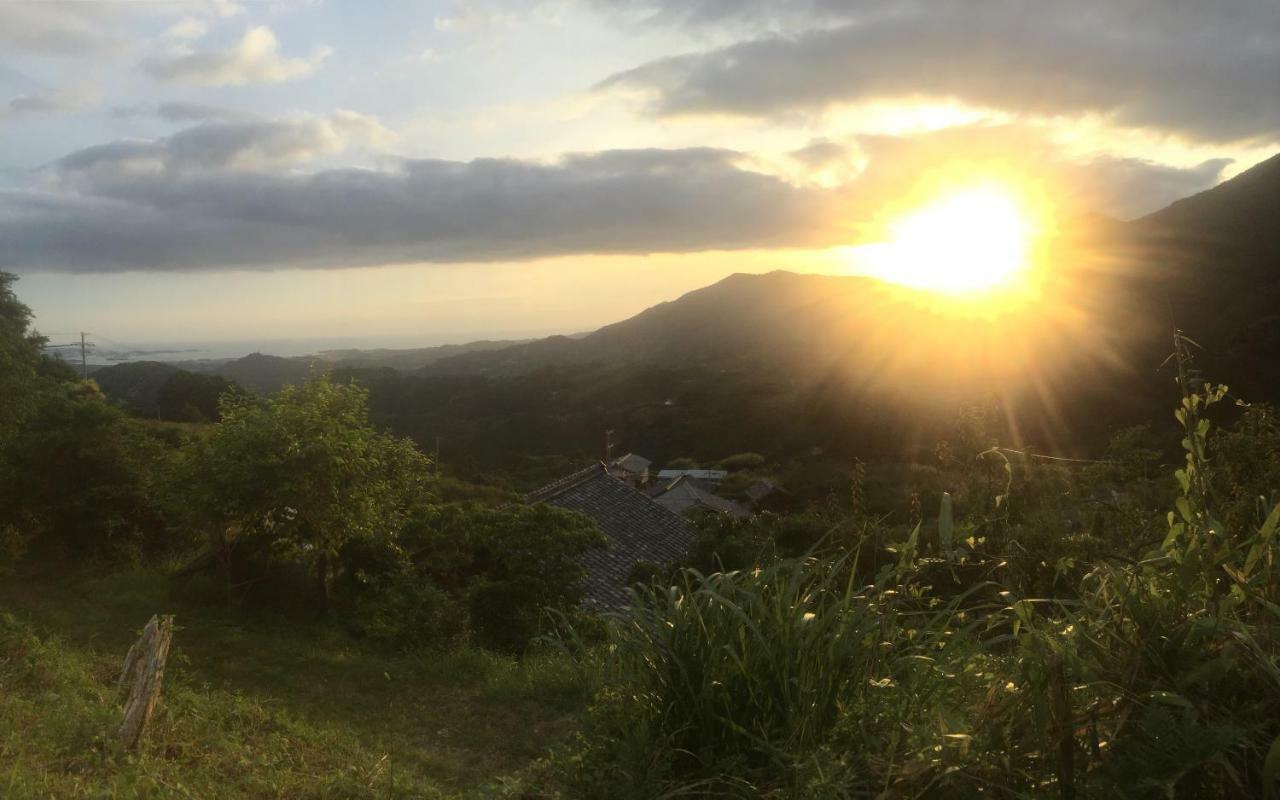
point(192, 397)
point(297, 476)
point(80, 476)
point(742, 461)
point(19, 358)
point(507, 565)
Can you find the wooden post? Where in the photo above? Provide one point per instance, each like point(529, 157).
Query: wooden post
point(142, 676)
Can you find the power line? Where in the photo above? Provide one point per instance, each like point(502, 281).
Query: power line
point(84, 346)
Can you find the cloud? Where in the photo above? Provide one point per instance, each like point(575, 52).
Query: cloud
point(61, 100)
point(220, 143)
point(1206, 71)
point(702, 14)
point(60, 28)
point(187, 28)
point(224, 195)
point(182, 111)
point(122, 206)
point(255, 59)
point(179, 111)
point(887, 168)
point(80, 29)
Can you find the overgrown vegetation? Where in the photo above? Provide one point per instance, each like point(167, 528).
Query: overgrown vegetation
point(987, 624)
point(1042, 634)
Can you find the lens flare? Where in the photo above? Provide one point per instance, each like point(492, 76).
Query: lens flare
point(968, 241)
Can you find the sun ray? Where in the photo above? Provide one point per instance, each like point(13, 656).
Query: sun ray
point(973, 240)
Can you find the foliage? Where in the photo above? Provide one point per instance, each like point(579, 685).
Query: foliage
point(1041, 634)
point(192, 397)
point(497, 571)
point(19, 352)
point(80, 477)
point(681, 462)
point(294, 478)
point(742, 461)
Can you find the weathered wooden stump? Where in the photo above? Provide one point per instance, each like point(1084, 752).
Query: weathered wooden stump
point(142, 677)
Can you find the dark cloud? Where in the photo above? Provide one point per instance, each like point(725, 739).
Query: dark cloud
point(193, 202)
point(1207, 70)
point(124, 216)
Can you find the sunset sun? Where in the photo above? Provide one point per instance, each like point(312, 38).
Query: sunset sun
point(967, 241)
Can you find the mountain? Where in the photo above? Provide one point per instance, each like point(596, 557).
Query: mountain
point(265, 374)
point(786, 363)
point(409, 358)
point(1066, 372)
point(1212, 268)
point(1209, 263)
point(135, 384)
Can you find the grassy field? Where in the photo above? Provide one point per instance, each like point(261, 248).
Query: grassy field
point(254, 708)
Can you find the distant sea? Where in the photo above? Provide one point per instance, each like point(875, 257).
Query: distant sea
point(107, 352)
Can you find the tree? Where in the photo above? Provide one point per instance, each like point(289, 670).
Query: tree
point(80, 476)
point(74, 472)
point(508, 565)
point(192, 397)
point(19, 358)
point(297, 476)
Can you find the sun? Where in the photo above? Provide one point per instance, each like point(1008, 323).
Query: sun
point(967, 241)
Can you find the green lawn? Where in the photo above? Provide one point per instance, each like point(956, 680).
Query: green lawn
point(258, 708)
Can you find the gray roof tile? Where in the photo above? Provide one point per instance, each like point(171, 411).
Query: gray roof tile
point(637, 529)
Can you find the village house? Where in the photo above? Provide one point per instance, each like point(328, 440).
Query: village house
point(631, 468)
point(767, 495)
point(705, 475)
point(685, 495)
point(638, 530)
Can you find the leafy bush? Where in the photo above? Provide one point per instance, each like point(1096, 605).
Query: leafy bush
point(295, 477)
point(80, 477)
point(742, 461)
point(505, 566)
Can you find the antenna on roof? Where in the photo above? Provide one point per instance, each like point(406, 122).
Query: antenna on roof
point(608, 445)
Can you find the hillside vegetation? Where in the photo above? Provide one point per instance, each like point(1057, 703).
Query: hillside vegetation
point(943, 611)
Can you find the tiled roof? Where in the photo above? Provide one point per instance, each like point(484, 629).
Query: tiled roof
point(684, 493)
point(638, 529)
point(700, 474)
point(762, 489)
point(632, 463)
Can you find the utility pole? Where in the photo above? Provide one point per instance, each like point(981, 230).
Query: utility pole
point(84, 346)
point(84, 360)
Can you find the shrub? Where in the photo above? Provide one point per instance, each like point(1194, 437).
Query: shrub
point(742, 461)
point(506, 566)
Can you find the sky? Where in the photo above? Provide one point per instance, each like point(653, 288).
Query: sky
point(409, 173)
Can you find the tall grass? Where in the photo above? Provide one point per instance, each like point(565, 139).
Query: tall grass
point(1150, 668)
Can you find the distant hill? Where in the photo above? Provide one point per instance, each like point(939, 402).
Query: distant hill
point(135, 384)
point(164, 391)
point(1207, 264)
point(409, 358)
point(786, 363)
point(265, 374)
point(1212, 267)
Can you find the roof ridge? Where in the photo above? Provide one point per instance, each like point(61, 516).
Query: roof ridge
point(567, 482)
